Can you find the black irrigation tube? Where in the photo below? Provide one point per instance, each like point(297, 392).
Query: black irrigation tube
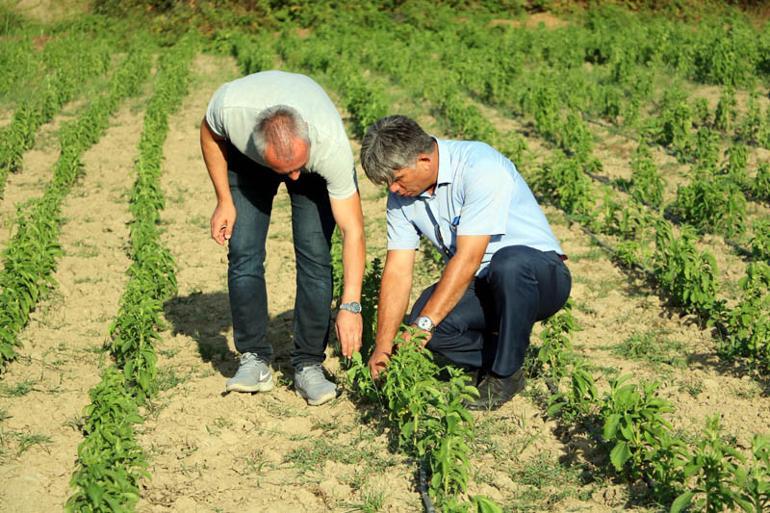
point(422, 485)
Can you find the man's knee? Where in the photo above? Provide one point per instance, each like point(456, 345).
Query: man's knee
point(245, 255)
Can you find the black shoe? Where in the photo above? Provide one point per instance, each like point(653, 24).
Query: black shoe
point(495, 391)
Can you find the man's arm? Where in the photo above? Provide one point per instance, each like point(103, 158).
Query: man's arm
point(456, 277)
point(394, 299)
point(214, 150)
point(349, 217)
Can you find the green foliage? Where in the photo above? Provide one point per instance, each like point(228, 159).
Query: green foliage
point(752, 129)
point(110, 463)
point(711, 204)
point(73, 61)
point(646, 183)
point(687, 275)
point(673, 127)
point(338, 273)
point(706, 152)
point(555, 354)
point(370, 294)
point(152, 279)
point(641, 439)
point(30, 258)
point(724, 117)
point(726, 55)
point(563, 181)
point(760, 187)
point(433, 423)
point(753, 480)
point(736, 165)
point(253, 54)
point(711, 469)
point(760, 241)
point(748, 323)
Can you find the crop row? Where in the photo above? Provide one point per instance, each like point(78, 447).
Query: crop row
point(638, 440)
point(74, 60)
point(715, 201)
point(628, 424)
point(30, 258)
point(568, 185)
point(430, 416)
point(685, 275)
point(110, 463)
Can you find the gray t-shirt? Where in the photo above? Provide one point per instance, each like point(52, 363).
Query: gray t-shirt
point(233, 110)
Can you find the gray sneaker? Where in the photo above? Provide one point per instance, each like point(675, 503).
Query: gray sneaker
point(311, 384)
point(253, 375)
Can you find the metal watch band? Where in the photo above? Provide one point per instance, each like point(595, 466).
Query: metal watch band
point(352, 306)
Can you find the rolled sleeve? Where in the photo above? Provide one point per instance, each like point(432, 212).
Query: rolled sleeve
point(214, 112)
point(488, 192)
point(402, 234)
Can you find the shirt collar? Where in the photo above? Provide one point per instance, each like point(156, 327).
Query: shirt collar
point(444, 167)
point(444, 163)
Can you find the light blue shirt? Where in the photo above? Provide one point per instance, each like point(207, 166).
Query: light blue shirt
point(478, 192)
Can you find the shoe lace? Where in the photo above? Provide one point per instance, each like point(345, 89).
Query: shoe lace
point(313, 375)
point(251, 360)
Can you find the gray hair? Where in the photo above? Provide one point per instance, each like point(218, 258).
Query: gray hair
point(278, 126)
point(390, 144)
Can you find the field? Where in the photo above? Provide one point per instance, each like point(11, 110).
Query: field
point(646, 138)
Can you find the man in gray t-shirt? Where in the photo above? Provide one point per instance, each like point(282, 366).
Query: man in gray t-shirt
point(260, 131)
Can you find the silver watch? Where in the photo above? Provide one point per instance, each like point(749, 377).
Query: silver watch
point(424, 323)
point(353, 306)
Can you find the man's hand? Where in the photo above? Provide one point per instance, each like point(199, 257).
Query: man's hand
point(424, 336)
point(349, 328)
point(378, 362)
point(222, 222)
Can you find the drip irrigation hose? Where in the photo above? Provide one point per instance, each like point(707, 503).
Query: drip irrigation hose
point(422, 484)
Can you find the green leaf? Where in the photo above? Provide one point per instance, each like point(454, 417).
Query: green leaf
point(620, 455)
point(682, 502)
point(611, 426)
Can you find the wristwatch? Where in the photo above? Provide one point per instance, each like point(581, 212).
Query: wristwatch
point(353, 306)
point(424, 323)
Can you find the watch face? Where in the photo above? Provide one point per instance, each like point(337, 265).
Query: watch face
point(424, 323)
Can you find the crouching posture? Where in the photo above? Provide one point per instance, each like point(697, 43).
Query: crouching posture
point(504, 267)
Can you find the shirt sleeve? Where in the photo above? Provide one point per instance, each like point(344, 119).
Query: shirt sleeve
point(214, 112)
point(402, 233)
point(488, 192)
point(341, 179)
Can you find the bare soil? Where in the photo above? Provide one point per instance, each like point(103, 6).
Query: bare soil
point(44, 392)
point(211, 452)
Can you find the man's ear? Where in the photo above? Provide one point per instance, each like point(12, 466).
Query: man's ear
point(425, 158)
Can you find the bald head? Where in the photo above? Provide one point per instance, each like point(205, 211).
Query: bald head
point(281, 137)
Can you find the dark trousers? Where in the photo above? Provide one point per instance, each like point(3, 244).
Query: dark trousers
point(253, 188)
point(489, 328)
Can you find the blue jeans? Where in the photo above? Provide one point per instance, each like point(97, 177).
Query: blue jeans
point(489, 328)
point(253, 188)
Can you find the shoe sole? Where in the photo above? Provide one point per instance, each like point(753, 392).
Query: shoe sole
point(264, 386)
point(320, 400)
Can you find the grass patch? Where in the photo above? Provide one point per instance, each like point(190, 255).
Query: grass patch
point(654, 348)
point(168, 378)
point(20, 389)
point(372, 501)
point(545, 483)
point(313, 456)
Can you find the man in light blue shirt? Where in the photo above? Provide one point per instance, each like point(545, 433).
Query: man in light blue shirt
point(504, 267)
